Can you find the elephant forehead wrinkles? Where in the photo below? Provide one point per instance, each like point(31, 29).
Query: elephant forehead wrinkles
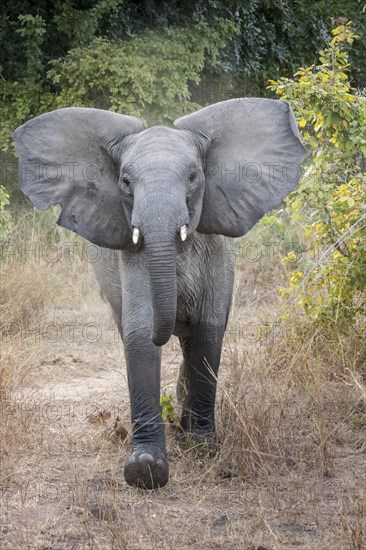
point(161, 145)
point(161, 167)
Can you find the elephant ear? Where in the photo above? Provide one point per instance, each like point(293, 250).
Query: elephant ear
point(64, 159)
point(252, 163)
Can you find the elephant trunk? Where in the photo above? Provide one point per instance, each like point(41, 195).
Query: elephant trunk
point(161, 266)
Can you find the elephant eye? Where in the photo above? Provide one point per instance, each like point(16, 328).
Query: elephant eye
point(192, 176)
point(126, 187)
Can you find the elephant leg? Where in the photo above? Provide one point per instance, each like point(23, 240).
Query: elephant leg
point(201, 368)
point(182, 384)
point(147, 466)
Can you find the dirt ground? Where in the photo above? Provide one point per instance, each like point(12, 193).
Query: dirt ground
point(65, 488)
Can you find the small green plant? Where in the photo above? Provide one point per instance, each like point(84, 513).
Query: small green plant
point(167, 409)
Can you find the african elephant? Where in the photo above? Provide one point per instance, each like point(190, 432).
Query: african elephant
point(164, 205)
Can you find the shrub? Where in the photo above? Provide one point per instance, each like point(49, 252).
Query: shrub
point(329, 279)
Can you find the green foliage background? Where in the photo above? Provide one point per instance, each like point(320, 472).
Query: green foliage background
point(156, 59)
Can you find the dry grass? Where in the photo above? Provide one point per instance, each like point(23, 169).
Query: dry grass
point(354, 529)
point(287, 470)
point(38, 272)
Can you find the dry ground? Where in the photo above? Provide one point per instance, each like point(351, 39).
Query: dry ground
point(288, 470)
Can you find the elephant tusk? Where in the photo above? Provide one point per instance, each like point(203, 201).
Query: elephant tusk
point(183, 232)
point(135, 235)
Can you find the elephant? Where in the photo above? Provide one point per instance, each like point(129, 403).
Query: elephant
point(163, 205)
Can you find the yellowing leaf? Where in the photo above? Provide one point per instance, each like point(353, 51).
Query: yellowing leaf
point(302, 123)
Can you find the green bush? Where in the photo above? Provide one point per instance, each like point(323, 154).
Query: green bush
point(145, 76)
point(330, 202)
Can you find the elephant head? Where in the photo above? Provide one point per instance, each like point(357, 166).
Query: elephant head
point(120, 186)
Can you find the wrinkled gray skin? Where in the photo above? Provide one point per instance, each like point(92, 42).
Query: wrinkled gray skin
point(158, 180)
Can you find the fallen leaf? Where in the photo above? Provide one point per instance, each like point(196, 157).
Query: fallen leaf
point(100, 418)
point(119, 432)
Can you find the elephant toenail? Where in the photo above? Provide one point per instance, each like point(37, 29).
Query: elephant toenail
point(146, 457)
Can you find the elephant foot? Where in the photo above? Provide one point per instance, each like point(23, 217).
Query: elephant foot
point(199, 426)
point(197, 433)
point(147, 468)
